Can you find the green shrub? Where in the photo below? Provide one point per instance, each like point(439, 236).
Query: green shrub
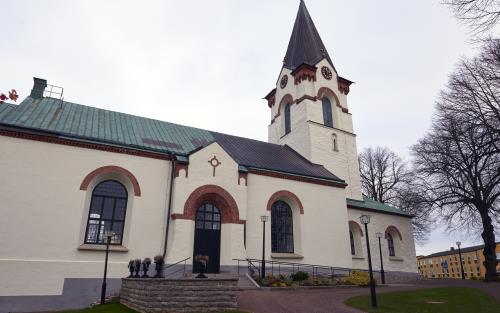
point(276, 281)
point(358, 278)
point(300, 276)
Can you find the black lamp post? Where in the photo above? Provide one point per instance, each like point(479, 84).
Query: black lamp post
point(365, 219)
point(107, 235)
point(263, 218)
point(382, 273)
point(460, 256)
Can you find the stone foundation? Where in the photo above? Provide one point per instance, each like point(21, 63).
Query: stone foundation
point(179, 295)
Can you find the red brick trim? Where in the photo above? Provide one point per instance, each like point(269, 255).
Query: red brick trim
point(181, 166)
point(327, 92)
point(271, 98)
point(303, 72)
point(215, 195)
point(304, 97)
point(393, 229)
point(244, 176)
point(343, 85)
point(311, 180)
point(279, 195)
point(111, 169)
point(353, 224)
point(80, 144)
point(284, 100)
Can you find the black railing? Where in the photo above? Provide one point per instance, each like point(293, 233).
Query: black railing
point(165, 269)
point(289, 268)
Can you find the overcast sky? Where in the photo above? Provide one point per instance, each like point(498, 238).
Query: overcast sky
point(209, 63)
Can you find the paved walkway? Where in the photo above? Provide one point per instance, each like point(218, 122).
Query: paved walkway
point(331, 300)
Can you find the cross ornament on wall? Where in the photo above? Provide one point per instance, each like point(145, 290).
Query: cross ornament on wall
point(214, 162)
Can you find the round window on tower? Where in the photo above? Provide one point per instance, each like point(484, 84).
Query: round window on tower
point(284, 81)
point(326, 72)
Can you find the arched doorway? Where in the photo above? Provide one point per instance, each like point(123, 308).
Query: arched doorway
point(207, 236)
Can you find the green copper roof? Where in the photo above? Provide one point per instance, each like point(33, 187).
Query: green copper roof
point(5, 108)
point(84, 122)
point(372, 205)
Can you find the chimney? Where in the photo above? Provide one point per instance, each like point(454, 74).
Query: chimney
point(39, 85)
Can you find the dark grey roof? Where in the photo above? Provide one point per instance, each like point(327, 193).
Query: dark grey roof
point(262, 155)
point(463, 250)
point(372, 205)
point(305, 44)
point(78, 122)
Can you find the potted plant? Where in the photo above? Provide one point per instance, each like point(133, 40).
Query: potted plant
point(137, 267)
point(131, 268)
point(145, 267)
point(159, 261)
point(203, 260)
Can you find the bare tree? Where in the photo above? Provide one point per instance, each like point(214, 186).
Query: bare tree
point(460, 168)
point(480, 15)
point(382, 173)
point(386, 178)
point(474, 88)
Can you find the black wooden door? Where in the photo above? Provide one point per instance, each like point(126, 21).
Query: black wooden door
point(207, 237)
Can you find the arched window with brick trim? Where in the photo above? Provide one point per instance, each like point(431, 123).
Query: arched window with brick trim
point(327, 112)
point(108, 207)
point(288, 126)
point(353, 247)
point(281, 228)
point(390, 245)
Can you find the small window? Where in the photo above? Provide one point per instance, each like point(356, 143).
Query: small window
point(327, 112)
point(287, 118)
point(334, 143)
point(107, 212)
point(390, 244)
point(353, 248)
point(281, 228)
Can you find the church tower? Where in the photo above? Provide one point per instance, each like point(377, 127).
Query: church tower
point(309, 109)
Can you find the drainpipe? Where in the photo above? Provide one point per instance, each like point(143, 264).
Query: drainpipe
point(169, 209)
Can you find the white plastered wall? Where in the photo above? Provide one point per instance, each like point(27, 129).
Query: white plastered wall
point(404, 260)
point(320, 234)
point(309, 137)
point(200, 173)
point(44, 214)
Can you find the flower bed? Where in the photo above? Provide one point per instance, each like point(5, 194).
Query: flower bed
point(355, 278)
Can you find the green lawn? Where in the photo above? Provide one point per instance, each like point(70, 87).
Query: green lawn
point(434, 300)
point(119, 308)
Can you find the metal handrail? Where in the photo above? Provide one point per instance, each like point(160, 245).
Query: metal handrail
point(295, 267)
point(173, 264)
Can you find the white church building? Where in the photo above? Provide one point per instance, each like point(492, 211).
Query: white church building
point(69, 172)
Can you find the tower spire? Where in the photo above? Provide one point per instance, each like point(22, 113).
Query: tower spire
point(305, 44)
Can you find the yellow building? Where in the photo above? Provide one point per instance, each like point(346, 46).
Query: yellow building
point(446, 264)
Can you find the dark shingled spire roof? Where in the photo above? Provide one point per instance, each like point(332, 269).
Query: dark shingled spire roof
point(305, 44)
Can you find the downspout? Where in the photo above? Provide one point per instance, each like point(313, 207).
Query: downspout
point(169, 208)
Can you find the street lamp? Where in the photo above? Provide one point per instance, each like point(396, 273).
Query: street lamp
point(263, 219)
point(382, 274)
point(108, 235)
point(365, 219)
point(460, 256)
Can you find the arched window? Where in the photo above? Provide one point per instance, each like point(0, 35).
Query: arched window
point(334, 143)
point(390, 244)
point(353, 248)
point(107, 212)
point(287, 118)
point(327, 112)
point(208, 217)
point(281, 228)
